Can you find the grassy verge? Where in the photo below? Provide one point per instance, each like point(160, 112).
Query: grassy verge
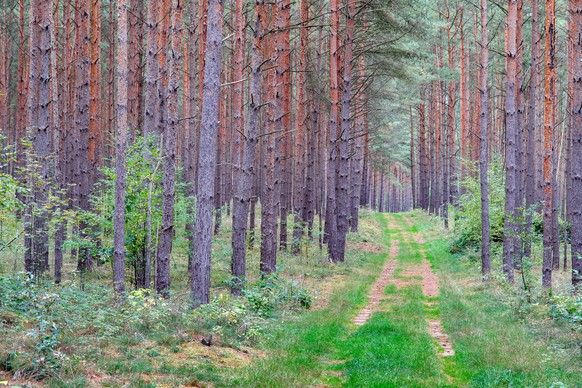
point(299, 352)
point(62, 336)
point(499, 339)
point(72, 338)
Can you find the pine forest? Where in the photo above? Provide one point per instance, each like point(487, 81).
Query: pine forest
point(277, 193)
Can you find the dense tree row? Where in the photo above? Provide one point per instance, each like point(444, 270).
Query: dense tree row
point(234, 104)
point(520, 106)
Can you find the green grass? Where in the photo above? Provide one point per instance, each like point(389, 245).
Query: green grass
point(394, 349)
point(299, 351)
point(495, 345)
point(497, 339)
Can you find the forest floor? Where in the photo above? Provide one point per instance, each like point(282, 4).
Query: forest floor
point(401, 312)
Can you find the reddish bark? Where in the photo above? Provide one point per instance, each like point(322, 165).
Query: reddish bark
point(549, 124)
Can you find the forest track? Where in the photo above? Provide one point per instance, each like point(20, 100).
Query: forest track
point(378, 289)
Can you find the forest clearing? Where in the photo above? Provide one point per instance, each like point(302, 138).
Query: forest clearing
point(318, 193)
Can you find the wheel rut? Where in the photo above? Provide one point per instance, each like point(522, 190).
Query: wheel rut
point(378, 289)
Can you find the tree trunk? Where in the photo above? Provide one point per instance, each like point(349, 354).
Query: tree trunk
point(164, 251)
point(549, 124)
point(270, 197)
point(576, 151)
point(82, 119)
point(244, 159)
point(207, 156)
point(531, 179)
point(300, 170)
point(95, 92)
point(331, 219)
point(121, 145)
point(510, 230)
point(485, 228)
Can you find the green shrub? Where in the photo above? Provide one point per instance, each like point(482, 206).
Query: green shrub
point(568, 307)
point(36, 307)
point(467, 231)
point(244, 318)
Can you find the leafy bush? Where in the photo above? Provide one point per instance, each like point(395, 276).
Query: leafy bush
point(568, 307)
point(468, 213)
point(35, 308)
point(244, 318)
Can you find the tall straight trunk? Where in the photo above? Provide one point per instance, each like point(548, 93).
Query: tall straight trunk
point(364, 193)
point(5, 49)
point(202, 28)
point(424, 178)
point(120, 151)
point(32, 105)
point(150, 116)
point(549, 124)
point(164, 251)
point(40, 130)
point(476, 109)
point(136, 38)
point(567, 184)
point(207, 156)
point(191, 127)
point(57, 88)
point(412, 158)
point(220, 155)
point(244, 158)
point(510, 230)
point(464, 100)
point(301, 106)
point(381, 207)
point(82, 119)
point(356, 161)
point(452, 142)
point(343, 163)
point(531, 179)
point(519, 140)
point(560, 160)
point(331, 219)
point(270, 196)
point(22, 75)
point(576, 144)
point(284, 74)
point(151, 70)
point(323, 137)
point(110, 115)
point(95, 108)
point(485, 228)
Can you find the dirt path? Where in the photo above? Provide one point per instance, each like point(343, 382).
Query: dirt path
point(378, 289)
point(422, 275)
point(430, 288)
